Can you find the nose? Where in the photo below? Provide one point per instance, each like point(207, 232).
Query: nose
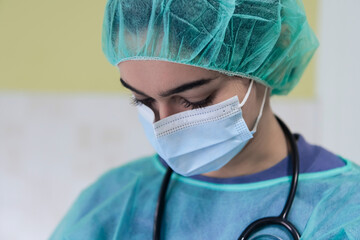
point(165, 110)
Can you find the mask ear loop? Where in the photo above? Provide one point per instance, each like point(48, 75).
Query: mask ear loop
point(247, 93)
point(261, 111)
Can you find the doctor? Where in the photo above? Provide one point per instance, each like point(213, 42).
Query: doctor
point(202, 73)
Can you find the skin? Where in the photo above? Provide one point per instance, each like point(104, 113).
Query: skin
point(152, 78)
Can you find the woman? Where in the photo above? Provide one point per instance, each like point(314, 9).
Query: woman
point(202, 73)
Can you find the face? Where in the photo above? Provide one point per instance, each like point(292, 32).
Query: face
point(169, 88)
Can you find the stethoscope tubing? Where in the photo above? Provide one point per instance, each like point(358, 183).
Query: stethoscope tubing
point(161, 204)
point(260, 223)
point(296, 168)
point(282, 218)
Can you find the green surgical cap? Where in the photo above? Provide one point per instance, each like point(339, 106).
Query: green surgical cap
point(269, 41)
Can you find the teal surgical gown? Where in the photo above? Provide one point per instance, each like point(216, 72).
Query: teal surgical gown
point(121, 205)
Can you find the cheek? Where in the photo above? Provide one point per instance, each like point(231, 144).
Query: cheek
point(248, 113)
point(249, 110)
point(229, 91)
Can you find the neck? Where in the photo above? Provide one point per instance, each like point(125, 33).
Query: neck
point(267, 148)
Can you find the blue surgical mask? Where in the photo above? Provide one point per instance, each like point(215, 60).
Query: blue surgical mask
point(200, 140)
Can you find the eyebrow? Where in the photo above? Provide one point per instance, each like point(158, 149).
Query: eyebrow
point(132, 88)
point(179, 89)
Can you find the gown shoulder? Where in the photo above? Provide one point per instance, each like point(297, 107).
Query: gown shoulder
point(116, 188)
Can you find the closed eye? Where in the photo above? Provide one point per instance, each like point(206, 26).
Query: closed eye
point(199, 104)
point(186, 103)
point(146, 101)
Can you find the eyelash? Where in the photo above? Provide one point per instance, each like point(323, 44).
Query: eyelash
point(200, 104)
point(137, 102)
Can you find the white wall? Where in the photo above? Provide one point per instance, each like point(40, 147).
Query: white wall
point(339, 77)
point(51, 147)
point(54, 145)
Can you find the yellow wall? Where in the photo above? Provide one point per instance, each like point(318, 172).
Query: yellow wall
point(306, 86)
point(56, 46)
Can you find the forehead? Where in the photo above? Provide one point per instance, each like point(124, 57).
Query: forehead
point(161, 74)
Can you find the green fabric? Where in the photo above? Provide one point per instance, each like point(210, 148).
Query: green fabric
point(267, 40)
point(121, 205)
point(256, 185)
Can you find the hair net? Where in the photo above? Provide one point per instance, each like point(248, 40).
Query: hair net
point(269, 41)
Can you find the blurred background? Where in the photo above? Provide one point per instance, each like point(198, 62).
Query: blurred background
point(65, 120)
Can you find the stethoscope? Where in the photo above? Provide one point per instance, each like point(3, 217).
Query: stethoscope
point(260, 223)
